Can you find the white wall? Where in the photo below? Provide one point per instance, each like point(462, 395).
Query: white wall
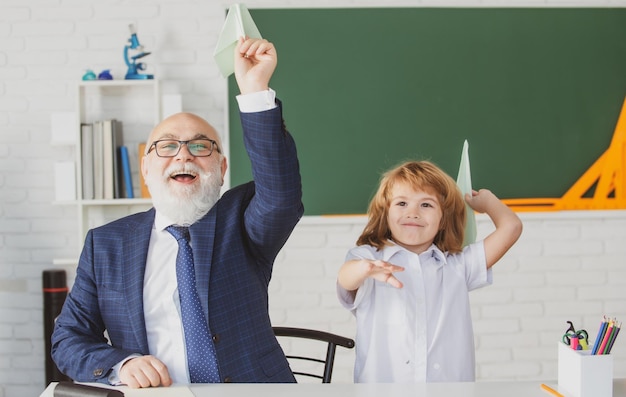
point(567, 266)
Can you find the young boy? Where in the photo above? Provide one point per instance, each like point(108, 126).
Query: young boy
point(408, 279)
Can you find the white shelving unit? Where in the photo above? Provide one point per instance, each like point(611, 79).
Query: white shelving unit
point(137, 104)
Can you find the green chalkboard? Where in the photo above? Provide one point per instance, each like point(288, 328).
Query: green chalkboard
point(536, 92)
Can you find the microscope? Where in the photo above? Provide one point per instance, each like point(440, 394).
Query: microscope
point(133, 66)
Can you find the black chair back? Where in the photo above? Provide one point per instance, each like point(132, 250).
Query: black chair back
point(330, 339)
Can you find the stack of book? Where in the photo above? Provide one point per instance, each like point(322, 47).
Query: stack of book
point(105, 164)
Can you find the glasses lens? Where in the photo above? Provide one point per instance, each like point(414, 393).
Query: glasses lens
point(167, 148)
point(200, 147)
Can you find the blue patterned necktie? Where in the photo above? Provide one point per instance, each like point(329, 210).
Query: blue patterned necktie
point(201, 357)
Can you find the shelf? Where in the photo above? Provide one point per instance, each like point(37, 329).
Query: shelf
point(114, 83)
point(65, 261)
point(136, 104)
point(122, 201)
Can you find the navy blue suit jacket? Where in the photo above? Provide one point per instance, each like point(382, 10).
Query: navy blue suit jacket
point(235, 245)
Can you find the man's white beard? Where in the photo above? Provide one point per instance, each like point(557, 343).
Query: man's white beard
point(185, 204)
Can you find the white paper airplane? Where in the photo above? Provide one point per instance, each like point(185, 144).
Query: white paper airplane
point(238, 23)
point(464, 182)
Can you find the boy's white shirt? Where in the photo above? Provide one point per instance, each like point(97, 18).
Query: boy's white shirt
point(422, 332)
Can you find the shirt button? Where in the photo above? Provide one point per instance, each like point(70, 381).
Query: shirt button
point(436, 366)
point(98, 372)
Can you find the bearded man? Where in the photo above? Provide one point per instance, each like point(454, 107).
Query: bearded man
point(125, 321)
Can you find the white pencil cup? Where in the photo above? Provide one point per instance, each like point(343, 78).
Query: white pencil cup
point(582, 374)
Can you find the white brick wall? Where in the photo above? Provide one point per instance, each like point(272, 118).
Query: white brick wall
point(517, 320)
point(567, 266)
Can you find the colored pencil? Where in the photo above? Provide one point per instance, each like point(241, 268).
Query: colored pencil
point(612, 341)
point(607, 336)
point(601, 332)
point(551, 390)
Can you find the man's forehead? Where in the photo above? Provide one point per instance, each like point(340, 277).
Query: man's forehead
point(184, 126)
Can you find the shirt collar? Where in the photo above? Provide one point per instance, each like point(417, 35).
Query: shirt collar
point(433, 251)
point(161, 221)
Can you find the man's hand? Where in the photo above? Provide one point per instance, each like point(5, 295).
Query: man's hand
point(144, 371)
point(255, 62)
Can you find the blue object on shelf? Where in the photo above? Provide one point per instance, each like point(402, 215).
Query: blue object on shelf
point(105, 75)
point(89, 75)
point(126, 175)
point(131, 61)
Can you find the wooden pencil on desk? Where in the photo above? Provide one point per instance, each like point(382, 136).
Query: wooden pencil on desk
point(551, 390)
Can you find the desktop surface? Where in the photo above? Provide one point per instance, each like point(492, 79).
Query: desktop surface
point(467, 389)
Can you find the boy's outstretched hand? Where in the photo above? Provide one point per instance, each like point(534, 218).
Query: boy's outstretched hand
point(353, 273)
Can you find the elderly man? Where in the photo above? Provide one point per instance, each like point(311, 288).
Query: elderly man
point(182, 289)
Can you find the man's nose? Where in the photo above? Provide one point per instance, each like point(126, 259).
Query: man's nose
point(184, 153)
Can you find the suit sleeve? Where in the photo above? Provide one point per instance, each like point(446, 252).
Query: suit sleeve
point(276, 206)
point(79, 347)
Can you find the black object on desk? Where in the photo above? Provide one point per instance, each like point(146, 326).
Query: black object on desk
point(69, 389)
point(54, 294)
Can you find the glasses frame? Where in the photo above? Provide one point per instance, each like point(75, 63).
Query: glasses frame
point(214, 147)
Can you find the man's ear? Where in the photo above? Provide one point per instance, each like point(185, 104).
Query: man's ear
point(144, 167)
point(224, 167)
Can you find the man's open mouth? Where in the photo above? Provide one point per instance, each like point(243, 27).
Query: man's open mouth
point(183, 176)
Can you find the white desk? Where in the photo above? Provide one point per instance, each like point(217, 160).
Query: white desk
point(477, 389)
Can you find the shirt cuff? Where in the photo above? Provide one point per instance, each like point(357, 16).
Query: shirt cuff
point(114, 376)
point(257, 101)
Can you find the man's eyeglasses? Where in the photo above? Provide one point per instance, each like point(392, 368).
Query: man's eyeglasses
point(197, 147)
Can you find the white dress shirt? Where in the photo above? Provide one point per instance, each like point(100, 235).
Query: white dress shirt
point(161, 304)
point(423, 331)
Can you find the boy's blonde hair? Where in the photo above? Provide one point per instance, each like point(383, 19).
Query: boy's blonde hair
point(425, 176)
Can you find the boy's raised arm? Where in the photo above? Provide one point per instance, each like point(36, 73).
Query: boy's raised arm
point(507, 223)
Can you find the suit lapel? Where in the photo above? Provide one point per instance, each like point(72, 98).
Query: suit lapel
point(202, 238)
point(135, 249)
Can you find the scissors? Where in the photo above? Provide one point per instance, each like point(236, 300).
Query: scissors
point(576, 339)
